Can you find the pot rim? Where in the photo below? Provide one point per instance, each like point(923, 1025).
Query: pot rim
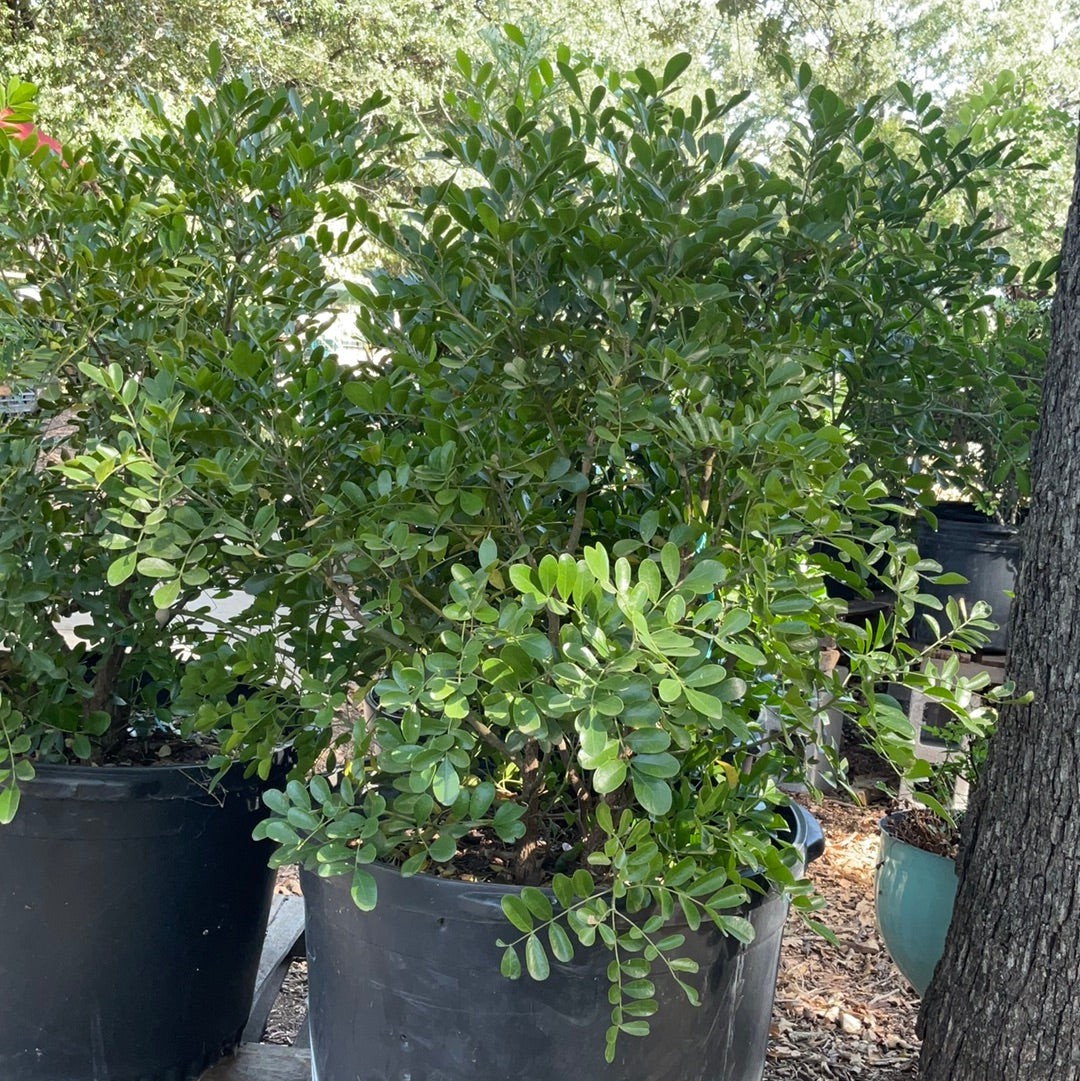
point(806, 835)
point(59, 780)
point(887, 820)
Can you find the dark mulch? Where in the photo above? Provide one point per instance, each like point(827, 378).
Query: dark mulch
point(925, 830)
point(162, 749)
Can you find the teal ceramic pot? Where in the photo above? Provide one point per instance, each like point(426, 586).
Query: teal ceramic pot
point(913, 894)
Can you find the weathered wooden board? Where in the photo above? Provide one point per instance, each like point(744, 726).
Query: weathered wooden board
point(262, 1062)
point(284, 940)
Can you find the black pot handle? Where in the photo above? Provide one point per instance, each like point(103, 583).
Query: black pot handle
point(808, 833)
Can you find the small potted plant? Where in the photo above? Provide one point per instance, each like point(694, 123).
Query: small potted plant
point(575, 498)
point(953, 426)
point(915, 880)
point(983, 430)
point(976, 442)
point(165, 299)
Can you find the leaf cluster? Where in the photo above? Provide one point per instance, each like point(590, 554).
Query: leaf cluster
point(936, 373)
point(163, 301)
point(595, 478)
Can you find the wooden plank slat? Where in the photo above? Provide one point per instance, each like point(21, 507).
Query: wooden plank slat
point(262, 1062)
point(284, 934)
point(284, 940)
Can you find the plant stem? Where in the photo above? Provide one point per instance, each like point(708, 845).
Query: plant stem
point(493, 741)
point(526, 865)
point(380, 634)
point(582, 500)
point(104, 685)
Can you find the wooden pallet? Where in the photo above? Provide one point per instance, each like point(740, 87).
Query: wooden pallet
point(923, 711)
point(263, 1062)
point(256, 1061)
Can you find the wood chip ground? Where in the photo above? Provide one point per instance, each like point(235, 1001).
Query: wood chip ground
point(842, 1013)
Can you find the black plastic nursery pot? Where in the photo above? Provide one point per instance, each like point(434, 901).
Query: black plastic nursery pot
point(133, 904)
point(412, 992)
point(985, 552)
point(843, 590)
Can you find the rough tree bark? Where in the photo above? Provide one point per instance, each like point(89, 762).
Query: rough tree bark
point(1005, 1001)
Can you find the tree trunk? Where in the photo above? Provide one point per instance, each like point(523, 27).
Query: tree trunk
point(1004, 1004)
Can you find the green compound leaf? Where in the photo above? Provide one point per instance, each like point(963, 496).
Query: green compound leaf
point(510, 966)
point(536, 960)
point(516, 911)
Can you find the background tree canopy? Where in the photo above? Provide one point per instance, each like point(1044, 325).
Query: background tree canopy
point(87, 57)
point(1010, 70)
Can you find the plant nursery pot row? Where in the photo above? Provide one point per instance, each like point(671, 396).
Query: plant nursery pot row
point(131, 920)
point(132, 911)
point(412, 992)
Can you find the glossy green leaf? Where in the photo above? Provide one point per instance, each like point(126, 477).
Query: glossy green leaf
point(121, 569)
point(583, 883)
point(536, 959)
point(596, 559)
point(562, 948)
point(165, 595)
point(363, 890)
point(653, 794)
point(9, 803)
point(153, 567)
point(674, 68)
point(536, 902)
point(648, 740)
point(655, 765)
point(443, 848)
point(446, 784)
point(609, 776)
point(510, 965)
point(517, 912)
point(671, 562)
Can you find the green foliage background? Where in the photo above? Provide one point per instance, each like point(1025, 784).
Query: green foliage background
point(579, 507)
point(86, 57)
